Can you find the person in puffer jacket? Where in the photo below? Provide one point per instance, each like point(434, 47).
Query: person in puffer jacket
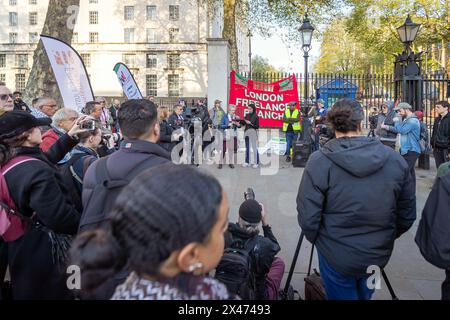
point(388, 137)
point(355, 198)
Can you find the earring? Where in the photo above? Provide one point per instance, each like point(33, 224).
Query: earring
point(196, 269)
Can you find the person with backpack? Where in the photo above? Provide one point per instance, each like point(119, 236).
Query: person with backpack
point(169, 238)
point(355, 198)
point(424, 140)
point(433, 236)
point(37, 205)
point(264, 272)
point(74, 170)
point(408, 126)
point(106, 177)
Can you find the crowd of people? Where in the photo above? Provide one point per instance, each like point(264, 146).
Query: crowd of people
point(98, 190)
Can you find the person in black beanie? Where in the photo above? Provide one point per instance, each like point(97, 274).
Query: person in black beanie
point(268, 269)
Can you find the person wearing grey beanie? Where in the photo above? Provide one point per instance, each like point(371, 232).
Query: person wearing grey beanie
point(267, 268)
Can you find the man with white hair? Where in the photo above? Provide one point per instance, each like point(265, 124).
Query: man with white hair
point(62, 121)
point(45, 107)
point(6, 100)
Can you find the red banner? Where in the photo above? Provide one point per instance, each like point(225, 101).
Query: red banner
point(270, 99)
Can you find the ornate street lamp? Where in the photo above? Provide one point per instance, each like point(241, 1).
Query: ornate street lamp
point(408, 74)
point(408, 31)
point(306, 31)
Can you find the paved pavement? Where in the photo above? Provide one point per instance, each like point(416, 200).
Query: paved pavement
point(410, 275)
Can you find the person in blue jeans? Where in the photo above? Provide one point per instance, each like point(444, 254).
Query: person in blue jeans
point(355, 198)
point(291, 127)
point(409, 130)
point(349, 288)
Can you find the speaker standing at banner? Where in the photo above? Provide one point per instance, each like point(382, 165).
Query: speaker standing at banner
point(291, 127)
point(251, 136)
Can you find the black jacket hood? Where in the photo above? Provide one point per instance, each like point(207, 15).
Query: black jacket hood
point(360, 156)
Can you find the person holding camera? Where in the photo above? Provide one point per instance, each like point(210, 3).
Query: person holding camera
point(339, 207)
point(267, 269)
point(387, 135)
point(62, 121)
point(408, 126)
point(36, 259)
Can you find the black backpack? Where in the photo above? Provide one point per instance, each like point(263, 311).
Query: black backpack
point(96, 211)
point(71, 178)
point(236, 270)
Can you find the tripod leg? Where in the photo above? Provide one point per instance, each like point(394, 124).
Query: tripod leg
point(388, 284)
point(294, 262)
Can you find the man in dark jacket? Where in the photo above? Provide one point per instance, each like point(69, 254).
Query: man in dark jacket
point(433, 236)
point(176, 119)
point(19, 104)
point(251, 137)
point(440, 140)
point(138, 121)
point(267, 268)
point(354, 200)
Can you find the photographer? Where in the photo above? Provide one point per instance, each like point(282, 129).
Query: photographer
point(62, 121)
point(200, 111)
point(386, 117)
point(267, 269)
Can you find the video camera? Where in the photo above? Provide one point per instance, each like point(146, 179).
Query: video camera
point(249, 194)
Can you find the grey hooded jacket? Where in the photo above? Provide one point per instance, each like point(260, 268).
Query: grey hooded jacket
point(387, 119)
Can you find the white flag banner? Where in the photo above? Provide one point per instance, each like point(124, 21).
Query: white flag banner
point(70, 73)
point(126, 79)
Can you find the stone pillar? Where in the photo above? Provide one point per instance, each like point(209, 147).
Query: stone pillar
point(219, 68)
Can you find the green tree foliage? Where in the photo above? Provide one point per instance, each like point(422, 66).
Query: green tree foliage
point(340, 52)
point(262, 65)
point(373, 24)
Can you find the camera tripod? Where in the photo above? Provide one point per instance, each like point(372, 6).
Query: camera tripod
point(284, 293)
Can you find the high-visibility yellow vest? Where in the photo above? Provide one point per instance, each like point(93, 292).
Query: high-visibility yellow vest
point(296, 126)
